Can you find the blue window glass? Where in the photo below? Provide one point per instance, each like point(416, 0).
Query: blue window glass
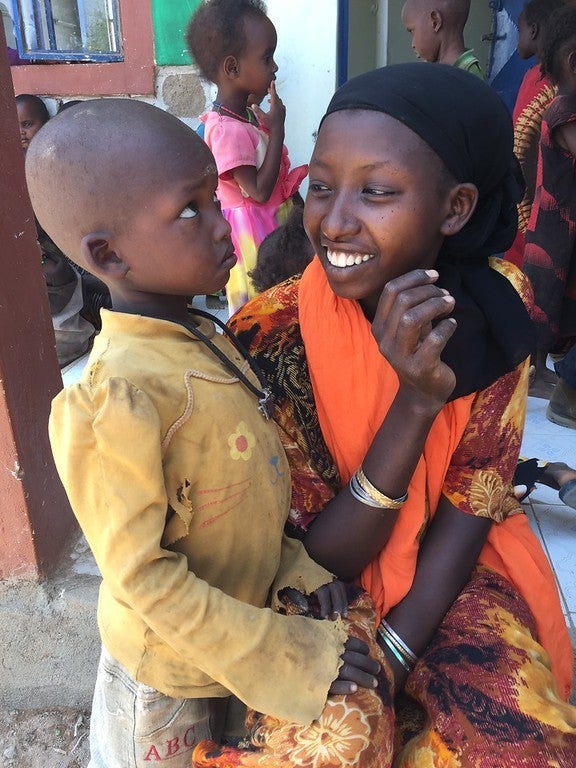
point(68, 30)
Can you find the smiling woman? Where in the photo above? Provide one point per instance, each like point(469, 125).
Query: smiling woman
point(399, 365)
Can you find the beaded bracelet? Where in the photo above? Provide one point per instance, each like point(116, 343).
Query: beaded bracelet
point(385, 502)
point(393, 649)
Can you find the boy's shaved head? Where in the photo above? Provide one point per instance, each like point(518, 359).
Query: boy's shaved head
point(91, 166)
point(453, 11)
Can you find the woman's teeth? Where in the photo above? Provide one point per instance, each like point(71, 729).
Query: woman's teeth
point(339, 259)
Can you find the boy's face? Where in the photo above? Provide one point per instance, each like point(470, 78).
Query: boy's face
point(418, 21)
point(30, 122)
point(256, 66)
point(374, 208)
point(526, 43)
point(176, 242)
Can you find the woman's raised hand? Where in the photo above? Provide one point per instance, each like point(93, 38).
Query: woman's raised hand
point(411, 328)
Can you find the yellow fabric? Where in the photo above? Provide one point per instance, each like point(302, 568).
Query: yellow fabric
point(157, 430)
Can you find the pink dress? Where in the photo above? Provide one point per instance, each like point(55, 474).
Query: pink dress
point(233, 144)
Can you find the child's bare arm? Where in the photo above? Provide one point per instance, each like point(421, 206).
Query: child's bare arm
point(259, 183)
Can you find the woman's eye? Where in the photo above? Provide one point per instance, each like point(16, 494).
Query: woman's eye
point(377, 192)
point(189, 212)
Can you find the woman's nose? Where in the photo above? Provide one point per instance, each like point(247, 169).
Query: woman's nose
point(339, 221)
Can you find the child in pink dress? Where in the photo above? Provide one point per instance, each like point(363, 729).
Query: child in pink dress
point(233, 44)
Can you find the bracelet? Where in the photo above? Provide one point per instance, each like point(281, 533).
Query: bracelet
point(391, 647)
point(399, 642)
point(360, 495)
point(385, 502)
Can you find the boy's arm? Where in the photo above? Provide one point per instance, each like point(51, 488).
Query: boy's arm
point(107, 447)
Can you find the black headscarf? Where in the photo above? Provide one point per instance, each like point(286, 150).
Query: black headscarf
point(468, 126)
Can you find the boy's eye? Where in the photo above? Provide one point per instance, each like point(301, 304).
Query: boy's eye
point(189, 212)
point(317, 187)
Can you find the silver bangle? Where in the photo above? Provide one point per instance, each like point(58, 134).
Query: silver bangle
point(412, 656)
point(360, 495)
point(391, 647)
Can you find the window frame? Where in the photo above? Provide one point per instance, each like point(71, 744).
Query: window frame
point(55, 54)
point(132, 76)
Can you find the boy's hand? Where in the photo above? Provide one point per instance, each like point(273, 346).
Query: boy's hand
point(332, 600)
point(276, 115)
point(412, 328)
point(358, 669)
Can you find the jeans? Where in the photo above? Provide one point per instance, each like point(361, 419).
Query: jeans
point(135, 726)
point(566, 368)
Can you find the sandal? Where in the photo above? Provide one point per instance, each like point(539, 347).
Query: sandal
point(528, 473)
point(568, 493)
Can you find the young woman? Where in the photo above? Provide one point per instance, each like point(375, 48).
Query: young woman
point(399, 363)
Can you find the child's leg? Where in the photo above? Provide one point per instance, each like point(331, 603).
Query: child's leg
point(352, 731)
point(133, 725)
point(487, 689)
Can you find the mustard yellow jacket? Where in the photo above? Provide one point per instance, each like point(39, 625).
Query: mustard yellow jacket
point(182, 490)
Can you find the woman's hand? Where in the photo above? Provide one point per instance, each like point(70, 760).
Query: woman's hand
point(411, 328)
point(359, 669)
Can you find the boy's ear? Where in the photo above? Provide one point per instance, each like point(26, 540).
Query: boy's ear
point(436, 19)
point(463, 199)
point(572, 61)
point(230, 67)
point(100, 258)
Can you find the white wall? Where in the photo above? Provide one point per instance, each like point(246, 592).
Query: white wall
point(306, 58)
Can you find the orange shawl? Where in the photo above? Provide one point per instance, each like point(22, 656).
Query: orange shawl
point(354, 387)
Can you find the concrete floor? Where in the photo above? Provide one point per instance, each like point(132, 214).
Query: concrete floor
point(554, 522)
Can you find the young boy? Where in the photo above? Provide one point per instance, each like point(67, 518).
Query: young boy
point(179, 483)
point(437, 29)
point(533, 99)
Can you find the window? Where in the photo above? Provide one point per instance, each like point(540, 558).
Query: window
point(68, 30)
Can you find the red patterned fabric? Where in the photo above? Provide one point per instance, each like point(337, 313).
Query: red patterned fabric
point(355, 731)
point(550, 253)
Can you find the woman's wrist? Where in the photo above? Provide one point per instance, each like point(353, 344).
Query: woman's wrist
point(419, 404)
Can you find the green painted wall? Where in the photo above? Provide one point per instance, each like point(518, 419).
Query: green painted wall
point(170, 18)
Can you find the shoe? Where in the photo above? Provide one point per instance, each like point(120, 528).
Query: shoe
point(528, 473)
point(562, 406)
